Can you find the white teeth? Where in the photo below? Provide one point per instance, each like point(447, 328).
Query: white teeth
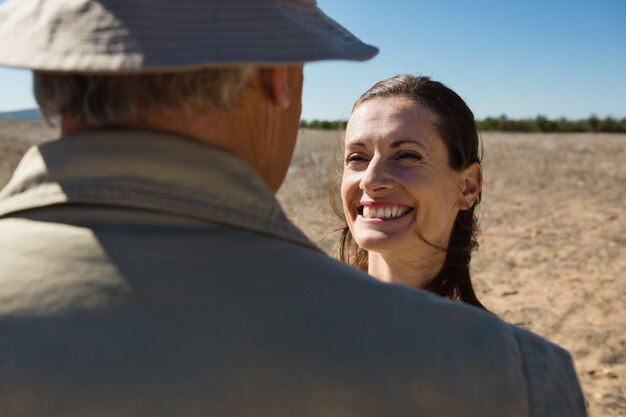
point(388, 212)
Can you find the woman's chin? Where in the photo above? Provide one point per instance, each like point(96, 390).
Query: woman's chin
point(374, 240)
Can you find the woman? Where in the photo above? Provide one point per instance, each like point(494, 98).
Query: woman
point(411, 182)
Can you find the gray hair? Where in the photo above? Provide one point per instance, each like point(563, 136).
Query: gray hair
point(100, 100)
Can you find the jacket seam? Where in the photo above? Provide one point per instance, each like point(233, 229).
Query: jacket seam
point(527, 375)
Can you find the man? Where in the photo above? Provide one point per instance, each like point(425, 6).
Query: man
point(147, 270)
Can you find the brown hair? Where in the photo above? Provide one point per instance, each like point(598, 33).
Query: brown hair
point(457, 128)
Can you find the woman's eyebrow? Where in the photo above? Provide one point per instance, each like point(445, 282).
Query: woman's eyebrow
point(356, 144)
point(400, 142)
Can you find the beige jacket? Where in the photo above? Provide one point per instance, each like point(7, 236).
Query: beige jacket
point(144, 274)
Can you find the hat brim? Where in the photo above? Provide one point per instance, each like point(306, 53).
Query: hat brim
point(162, 35)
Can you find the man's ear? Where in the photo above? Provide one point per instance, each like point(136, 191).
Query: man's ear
point(470, 186)
point(275, 86)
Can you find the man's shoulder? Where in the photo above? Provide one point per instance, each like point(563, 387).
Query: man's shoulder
point(411, 308)
point(259, 299)
point(553, 387)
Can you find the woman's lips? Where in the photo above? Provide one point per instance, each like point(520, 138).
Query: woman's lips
point(382, 212)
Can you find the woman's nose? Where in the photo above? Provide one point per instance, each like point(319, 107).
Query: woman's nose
point(376, 177)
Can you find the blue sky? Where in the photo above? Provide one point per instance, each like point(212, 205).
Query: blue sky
point(519, 58)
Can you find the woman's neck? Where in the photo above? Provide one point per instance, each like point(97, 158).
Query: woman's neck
point(416, 274)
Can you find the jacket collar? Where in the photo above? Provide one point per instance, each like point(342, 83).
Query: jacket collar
point(148, 170)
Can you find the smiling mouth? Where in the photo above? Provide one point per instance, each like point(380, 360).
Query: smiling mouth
point(384, 213)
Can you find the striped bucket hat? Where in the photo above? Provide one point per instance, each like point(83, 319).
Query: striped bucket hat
point(169, 35)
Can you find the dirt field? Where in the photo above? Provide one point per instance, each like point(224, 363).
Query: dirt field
point(553, 244)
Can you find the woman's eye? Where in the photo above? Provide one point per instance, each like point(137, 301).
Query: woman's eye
point(408, 155)
point(354, 158)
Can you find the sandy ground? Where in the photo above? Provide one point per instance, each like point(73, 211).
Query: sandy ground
point(552, 254)
point(553, 243)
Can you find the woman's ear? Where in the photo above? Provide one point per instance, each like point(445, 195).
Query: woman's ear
point(471, 185)
point(276, 86)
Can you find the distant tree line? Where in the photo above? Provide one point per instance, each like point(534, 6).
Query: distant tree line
point(324, 124)
point(504, 124)
point(543, 124)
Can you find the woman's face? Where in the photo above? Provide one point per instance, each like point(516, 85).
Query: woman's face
point(396, 181)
